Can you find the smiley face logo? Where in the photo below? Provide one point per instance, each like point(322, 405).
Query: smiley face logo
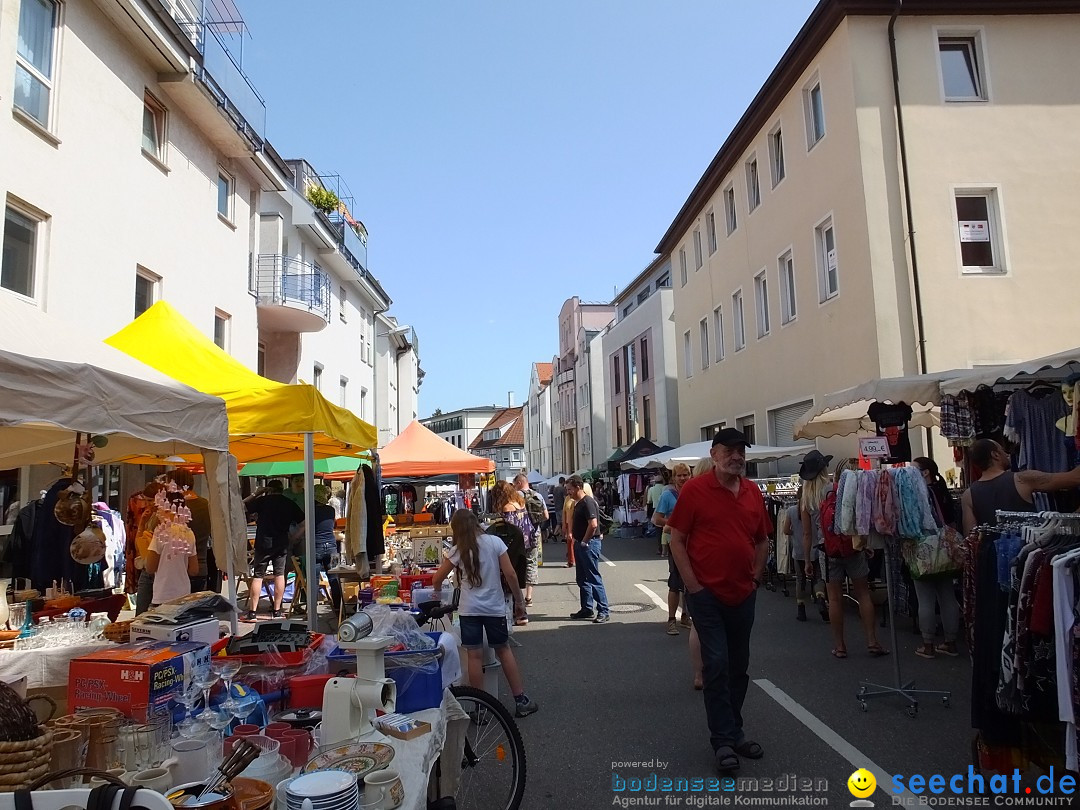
point(861, 783)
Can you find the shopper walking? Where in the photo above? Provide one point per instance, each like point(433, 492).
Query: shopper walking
point(509, 504)
point(720, 543)
point(558, 499)
point(680, 474)
point(479, 559)
point(279, 518)
point(792, 526)
point(652, 500)
point(585, 531)
point(537, 511)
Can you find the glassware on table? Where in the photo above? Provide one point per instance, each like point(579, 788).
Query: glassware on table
point(219, 719)
point(243, 706)
point(17, 615)
point(188, 697)
point(205, 679)
point(227, 668)
point(192, 727)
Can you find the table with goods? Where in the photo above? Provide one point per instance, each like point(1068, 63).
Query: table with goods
point(282, 718)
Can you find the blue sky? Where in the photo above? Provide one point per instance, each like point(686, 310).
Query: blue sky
point(508, 155)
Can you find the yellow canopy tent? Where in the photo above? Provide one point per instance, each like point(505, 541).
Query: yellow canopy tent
point(268, 420)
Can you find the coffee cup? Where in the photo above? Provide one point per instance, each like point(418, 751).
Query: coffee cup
point(119, 773)
point(387, 785)
point(192, 760)
point(246, 730)
point(302, 744)
point(159, 779)
point(273, 729)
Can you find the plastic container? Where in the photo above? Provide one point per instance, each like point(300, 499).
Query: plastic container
point(418, 687)
point(427, 594)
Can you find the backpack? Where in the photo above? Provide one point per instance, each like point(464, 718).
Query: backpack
point(836, 545)
point(604, 521)
point(535, 507)
point(515, 546)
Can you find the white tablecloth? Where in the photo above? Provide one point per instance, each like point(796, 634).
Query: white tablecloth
point(45, 667)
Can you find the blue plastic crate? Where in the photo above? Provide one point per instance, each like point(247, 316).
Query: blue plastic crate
point(417, 673)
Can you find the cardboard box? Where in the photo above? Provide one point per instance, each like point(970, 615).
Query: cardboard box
point(419, 728)
point(134, 674)
point(204, 631)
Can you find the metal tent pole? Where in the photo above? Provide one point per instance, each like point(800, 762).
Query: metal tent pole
point(309, 533)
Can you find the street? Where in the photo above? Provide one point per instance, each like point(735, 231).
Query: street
point(617, 701)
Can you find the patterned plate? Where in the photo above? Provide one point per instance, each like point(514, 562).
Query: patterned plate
point(358, 758)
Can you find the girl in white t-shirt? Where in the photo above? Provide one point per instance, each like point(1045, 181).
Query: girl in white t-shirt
point(172, 559)
point(479, 559)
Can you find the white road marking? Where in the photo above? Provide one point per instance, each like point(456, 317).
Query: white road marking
point(606, 560)
point(660, 603)
point(837, 743)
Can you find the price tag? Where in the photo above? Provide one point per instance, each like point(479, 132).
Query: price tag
point(874, 447)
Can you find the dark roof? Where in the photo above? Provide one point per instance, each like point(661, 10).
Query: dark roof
point(513, 437)
point(817, 29)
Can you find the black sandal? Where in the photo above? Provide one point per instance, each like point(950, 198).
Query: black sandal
point(876, 651)
point(749, 749)
point(726, 760)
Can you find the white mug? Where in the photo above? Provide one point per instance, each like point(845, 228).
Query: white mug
point(386, 785)
point(159, 779)
point(192, 761)
point(119, 773)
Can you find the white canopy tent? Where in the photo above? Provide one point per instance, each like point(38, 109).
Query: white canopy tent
point(56, 383)
point(1052, 367)
point(696, 451)
point(844, 412)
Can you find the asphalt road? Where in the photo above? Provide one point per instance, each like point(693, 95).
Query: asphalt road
point(617, 701)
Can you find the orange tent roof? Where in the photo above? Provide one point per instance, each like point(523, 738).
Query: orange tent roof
point(418, 452)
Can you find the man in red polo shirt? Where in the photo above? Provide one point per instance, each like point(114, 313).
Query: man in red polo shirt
point(719, 541)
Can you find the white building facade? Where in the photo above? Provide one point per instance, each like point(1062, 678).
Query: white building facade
point(460, 427)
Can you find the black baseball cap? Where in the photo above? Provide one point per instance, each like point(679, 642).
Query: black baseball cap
point(730, 437)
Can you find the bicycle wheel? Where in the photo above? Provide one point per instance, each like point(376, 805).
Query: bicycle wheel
point(493, 765)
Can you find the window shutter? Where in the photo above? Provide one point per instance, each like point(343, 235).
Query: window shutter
point(781, 432)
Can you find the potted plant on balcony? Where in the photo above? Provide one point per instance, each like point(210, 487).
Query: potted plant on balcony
point(323, 199)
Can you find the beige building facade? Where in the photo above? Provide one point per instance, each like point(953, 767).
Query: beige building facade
point(794, 269)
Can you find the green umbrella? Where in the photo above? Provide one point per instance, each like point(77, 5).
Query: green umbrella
point(272, 469)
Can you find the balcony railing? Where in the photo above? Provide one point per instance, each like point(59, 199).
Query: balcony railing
point(564, 378)
point(278, 279)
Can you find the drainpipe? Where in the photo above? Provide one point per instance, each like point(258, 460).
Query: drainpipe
point(902, 143)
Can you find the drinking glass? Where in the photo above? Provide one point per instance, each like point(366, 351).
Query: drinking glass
point(242, 707)
point(227, 668)
point(17, 616)
point(219, 719)
point(188, 697)
point(192, 727)
point(206, 679)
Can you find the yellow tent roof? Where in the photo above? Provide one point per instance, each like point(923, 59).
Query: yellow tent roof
point(267, 419)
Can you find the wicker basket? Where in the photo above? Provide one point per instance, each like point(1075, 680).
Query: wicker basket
point(23, 762)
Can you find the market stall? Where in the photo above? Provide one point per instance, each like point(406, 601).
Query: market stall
point(268, 420)
point(696, 451)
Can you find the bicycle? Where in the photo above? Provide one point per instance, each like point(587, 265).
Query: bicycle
point(493, 768)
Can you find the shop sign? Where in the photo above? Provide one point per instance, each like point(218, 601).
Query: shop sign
point(974, 230)
point(874, 447)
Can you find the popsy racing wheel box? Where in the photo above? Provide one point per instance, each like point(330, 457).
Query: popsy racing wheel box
point(129, 675)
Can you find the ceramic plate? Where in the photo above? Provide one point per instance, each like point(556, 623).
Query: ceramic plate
point(356, 758)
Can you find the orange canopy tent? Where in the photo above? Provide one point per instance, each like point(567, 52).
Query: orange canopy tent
point(417, 452)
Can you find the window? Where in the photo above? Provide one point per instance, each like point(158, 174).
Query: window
point(828, 279)
point(643, 295)
point(978, 221)
point(682, 266)
point(260, 360)
point(718, 332)
point(646, 415)
point(761, 299)
point(703, 336)
point(663, 281)
point(616, 375)
point(516, 455)
point(618, 426)
point(815, 114)
point(786, 266)
point(146, 290)
point(153, 128)
point(961, 73)
point(729, 210)
point(627, 309)
point(709, 431)
point(363, 404)
point(753, 184)
point(688, 358)
point(35, 57)
point(782, 431)
point(19, 263)
point(343, 396)
point(697, 249)
point(224, 195)
point(221, 329)
point(644, 358)
point(316, 377)
point(746, 425)
point(776, 156)
point(343, 299)
point(740, 320)
point(710, 228)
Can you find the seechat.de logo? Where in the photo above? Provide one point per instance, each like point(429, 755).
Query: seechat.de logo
point(862, 785)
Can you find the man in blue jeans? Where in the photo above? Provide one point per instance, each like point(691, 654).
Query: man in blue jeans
point(586, 539)
point(719, 542)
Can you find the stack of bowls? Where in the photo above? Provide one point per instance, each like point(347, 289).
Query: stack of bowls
point(326, 790)
point(270, 766)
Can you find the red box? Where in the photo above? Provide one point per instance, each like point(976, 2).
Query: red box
point(407, 581)
point(134, 674)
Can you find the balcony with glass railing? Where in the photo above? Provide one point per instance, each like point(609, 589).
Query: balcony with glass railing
point(293, 296)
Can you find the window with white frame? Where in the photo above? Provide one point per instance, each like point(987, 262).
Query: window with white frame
point(663, 281)
point(979, 230)
point(776, 156)
point(146, 290)
point(828, 274)
point(316, 376)
point(814, 109)
point(153, 128)
point(761, 300)
point(730, 214)
point(222, 320)
point(688, 357)
point(961, 68)
point(35, 58)
point(698, 259)
point(740, 320)
point(718, 332)
point(343, 300)
point(710, 228)
point(786, 268)
point(682, 266)
point(363, 404)
point(224, 194)
point(753, 184)
point(703, 337)
point(18, 267)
